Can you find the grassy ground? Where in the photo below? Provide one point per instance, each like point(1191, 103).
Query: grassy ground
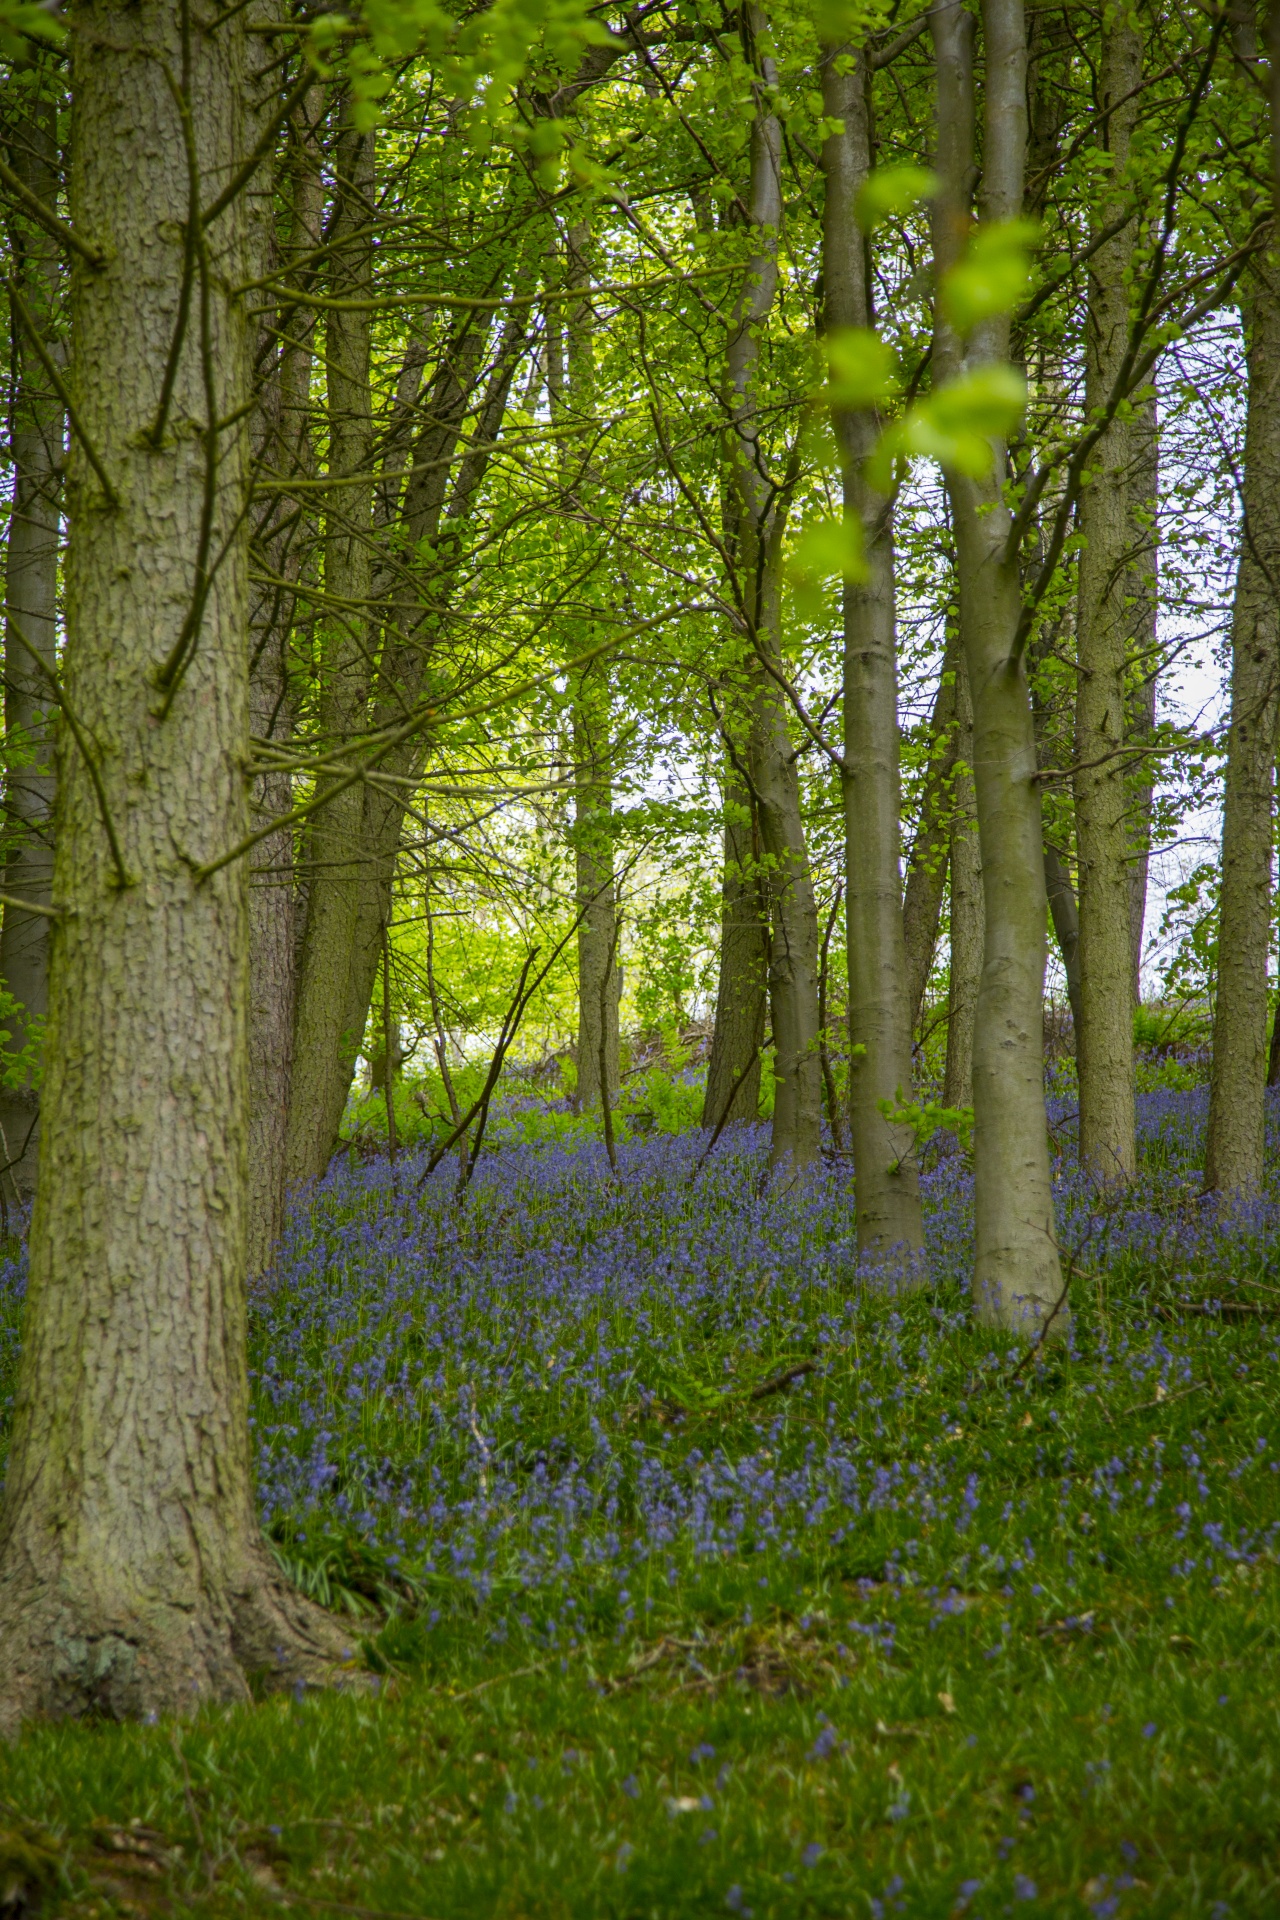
point(919, 1629)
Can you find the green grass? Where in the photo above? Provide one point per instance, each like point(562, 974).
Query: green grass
point(1111, 1737)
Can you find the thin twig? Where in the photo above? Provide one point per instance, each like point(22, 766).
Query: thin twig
point(23, 312)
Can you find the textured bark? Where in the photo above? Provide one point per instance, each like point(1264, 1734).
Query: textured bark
point(327, 1034)
point(36, 432)
point(1143, 600)
point(966, 911)
point(1017, 1276)
point(281, 445)
point(1233, 1160)
point(771, 758)
point(886, 1169)
point(133, 1577)
point(733, 1071)
point(1104, 623)
point(930, 850)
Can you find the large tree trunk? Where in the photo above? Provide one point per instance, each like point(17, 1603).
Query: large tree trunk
point(1017, 1276)
point(742, 990)
point(36, 430)
point(1104, 624)
point(966, 911)
point(771, 756)
point(886, 1170)
point(327, 1031)
point(1233, 1160)
point(927, 866)
point(133, 1577)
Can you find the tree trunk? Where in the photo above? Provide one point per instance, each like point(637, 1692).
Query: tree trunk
point(1142, 593)
point(966, 911)
point(771, 758)
point(927, 866)
point(733, 1071)
point(281, 440)
point(326, 1037)
point(1065, 915)
point(1104, 1036)
point(1017, 1277)
point(1233, 1160)
point(599, 974)
point(133, 1577)
point(36, 432)
point(886, 1169)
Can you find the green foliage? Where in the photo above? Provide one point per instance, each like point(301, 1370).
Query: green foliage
point(928, 1117)
point(956, 425)
point(993, 276)
point(892, 190)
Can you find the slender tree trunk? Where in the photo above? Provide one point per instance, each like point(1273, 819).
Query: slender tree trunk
point(771, 756)
point(36, 431)
point(742, 990)
point(1104, 1036)
point(1233, 1159)
point(1142, 595)
point(281, 443)
point(886, 1171)
point(599, 982)
point(326, 1037)
point(1065, 915)
point(1017, 1277)
point(133, 1577)
point(930, 850)
point(966, 911)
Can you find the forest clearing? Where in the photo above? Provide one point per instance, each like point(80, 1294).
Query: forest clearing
point(639, 1023)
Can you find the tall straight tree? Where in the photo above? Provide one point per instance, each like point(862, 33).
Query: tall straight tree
point(1017, 1275)
point(1234, 1145)
point(36, 430)
point(880, 1015)
point(761, 503)
point(1104, 837)
point(133, 1575)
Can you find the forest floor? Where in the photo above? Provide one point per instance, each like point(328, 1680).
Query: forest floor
point(701, 1574)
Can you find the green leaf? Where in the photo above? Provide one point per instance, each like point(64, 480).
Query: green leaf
point(993, 276)
point(825, 548)
point(862, 368)
point(956, 425)
point(891, 190)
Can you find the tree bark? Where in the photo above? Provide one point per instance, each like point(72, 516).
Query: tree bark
point(886, 1168)
point(133, 1577)
point(1104, 631)
point(1017, 1276)
point(1065, 915)
point(36, 434)
point(930, 850)
point(966, 910)
point(599, 974)
point(327, 1038)
point(771, 757)
point(1234, 1149)
point(733, 1071)
point(1142, 593)
point(280, 435)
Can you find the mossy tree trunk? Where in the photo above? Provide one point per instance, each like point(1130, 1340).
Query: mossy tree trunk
point(133, 1576)
point(742, 989)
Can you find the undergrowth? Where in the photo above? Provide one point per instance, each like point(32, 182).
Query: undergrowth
point(697, 1571)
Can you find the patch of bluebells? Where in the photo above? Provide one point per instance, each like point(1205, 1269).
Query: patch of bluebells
point(488, 1393)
